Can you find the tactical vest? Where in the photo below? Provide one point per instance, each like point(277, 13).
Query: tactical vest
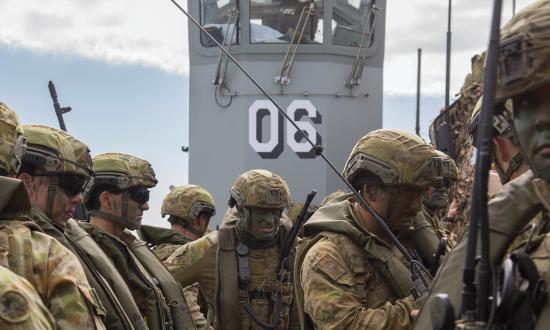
point(382, 259)
point(156, 312)
point(233, 316)
point(117, 297)
point(181, 317)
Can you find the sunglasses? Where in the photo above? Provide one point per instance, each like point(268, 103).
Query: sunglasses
point(71, 184)
point(139, 194)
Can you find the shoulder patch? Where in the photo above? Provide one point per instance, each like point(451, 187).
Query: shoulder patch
point(14, 307)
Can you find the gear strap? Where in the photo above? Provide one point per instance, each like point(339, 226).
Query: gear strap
point(513, 165)
point(52, 190)
point(111, 217)
point(228, 313)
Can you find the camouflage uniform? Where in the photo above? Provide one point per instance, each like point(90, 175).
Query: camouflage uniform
point(183, 204)
point(107, 304)
point(524, 37)
point(51, 269)
point(349, 277)
point(20, 306)
point(212, 260)
point(155, 292)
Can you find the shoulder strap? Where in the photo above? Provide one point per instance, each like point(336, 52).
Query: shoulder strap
point(118, 296)
point(227, 290)
point(388, 265)
point(171, 290)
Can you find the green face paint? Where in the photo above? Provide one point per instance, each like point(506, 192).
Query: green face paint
point(264, 223)
point(532, 129)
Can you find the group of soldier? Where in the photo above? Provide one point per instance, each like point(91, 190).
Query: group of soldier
point(347, 270)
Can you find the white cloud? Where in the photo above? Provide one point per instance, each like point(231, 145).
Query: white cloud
point(152, 33)
point(423, 24)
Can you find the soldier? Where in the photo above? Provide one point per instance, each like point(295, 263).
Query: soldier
point(50, 268)
point(189, 209)
point(240, 261)
point(46, 145)
point(117, 198)
point(351, 275)
point(527, 83)
point(20, 305)
point(435, 202)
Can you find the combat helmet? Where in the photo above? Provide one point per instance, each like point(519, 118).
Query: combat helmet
point(126, 173)
point(261, 189)
point(524, 53)
point(451, 171)
point(51, 149)
point(12, 143)
point(396, 158)
point(187, 202)
point(122, 171)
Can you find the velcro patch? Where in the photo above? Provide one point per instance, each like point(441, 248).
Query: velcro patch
point(14, 307)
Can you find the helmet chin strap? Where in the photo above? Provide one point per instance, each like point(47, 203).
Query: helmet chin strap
point(514, 164)
point(122, 220)
point(52, 190)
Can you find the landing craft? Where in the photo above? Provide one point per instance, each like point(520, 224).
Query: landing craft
point(322, 61)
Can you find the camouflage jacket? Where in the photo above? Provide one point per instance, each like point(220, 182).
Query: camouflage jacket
point(106, 304)
point(197, 262)
point(164, 242)
point(350, 279)
point(510, 210)
point(20, 305)
point(53, 270)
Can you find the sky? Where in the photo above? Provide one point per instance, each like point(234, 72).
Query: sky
point(122, 66)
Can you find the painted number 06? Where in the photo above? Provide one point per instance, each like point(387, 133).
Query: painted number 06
point(272, 147)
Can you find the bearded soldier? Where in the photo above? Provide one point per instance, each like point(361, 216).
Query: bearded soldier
point(46, 146)
point(49, 267)
point(189, 209)
point(236, 267)
point(117, 199)
point(351, 275)
point(527, 84)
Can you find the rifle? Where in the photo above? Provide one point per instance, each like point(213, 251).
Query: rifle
point(480, 311)
point(420, 274)
point(477, 310)
point(59, 111)
point(300, 220)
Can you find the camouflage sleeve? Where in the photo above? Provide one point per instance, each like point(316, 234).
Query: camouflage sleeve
point(185, 264)
point(20, 306)
point(67, 293)
point(332, 301)
point(190, 293)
